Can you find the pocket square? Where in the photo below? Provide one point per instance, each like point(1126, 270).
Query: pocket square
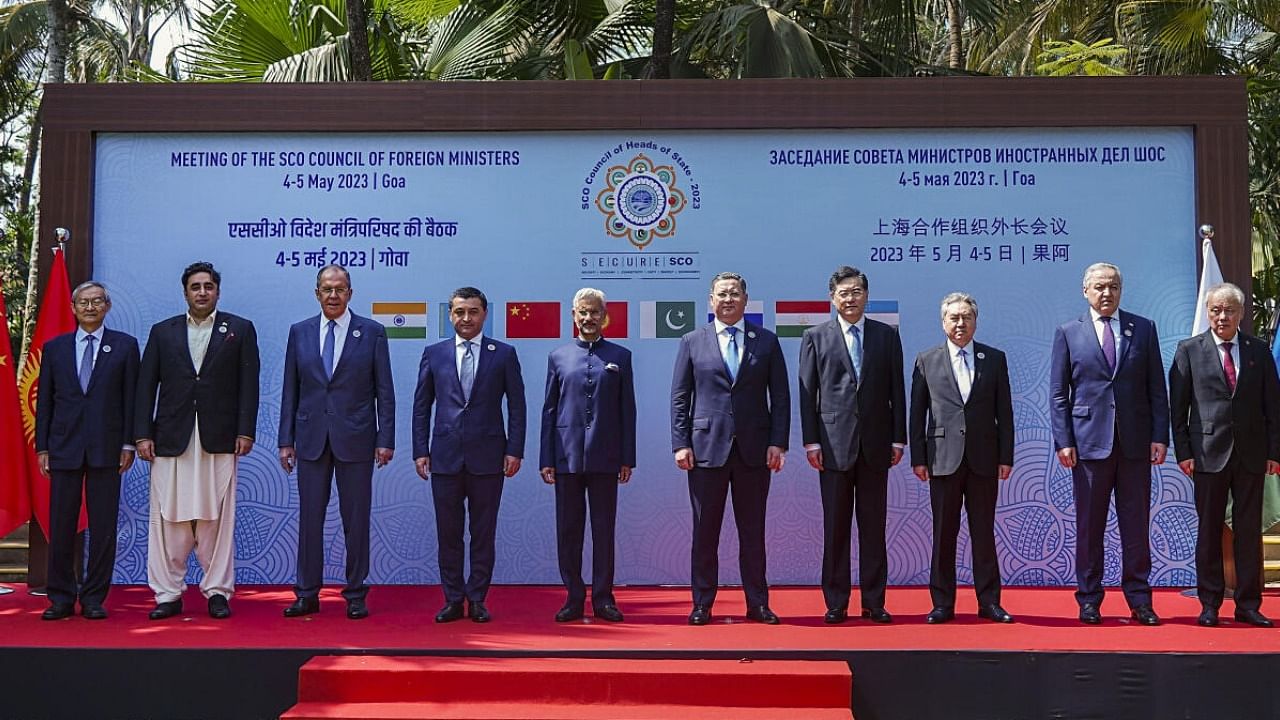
point(611, 367)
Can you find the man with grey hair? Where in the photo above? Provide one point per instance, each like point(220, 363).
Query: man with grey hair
point(84, 414)
point(961, 431)
point(588, 449)
point(1110, 417)
point(1225, 400)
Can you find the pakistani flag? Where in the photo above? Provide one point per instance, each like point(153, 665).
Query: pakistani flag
point(666, 319)
point(403, 320)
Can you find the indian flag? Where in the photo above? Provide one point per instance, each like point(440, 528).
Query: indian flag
point(403, 320)
point(792, 317)
point(886, 311)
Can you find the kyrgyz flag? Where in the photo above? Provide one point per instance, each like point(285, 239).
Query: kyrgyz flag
point(533, 320)
point(55, 319)
point(615, 323)
point(403, 320)
point(15, 493)
point(793, 317)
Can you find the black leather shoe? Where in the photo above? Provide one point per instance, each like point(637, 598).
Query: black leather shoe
point(940, 615)
point(1146, 615)
point(1252, 617)
point(762, 614)
point(1089, 614)
point(218, 607)
point(877, 615)
point(93, 612)
point(450, 612)
point(478, 612)
point(165, 610)
point(357, 609)
point(701, 615)
point(569, 613)
point(303, 606)
point(608, 613)
point(1208, 617)
point(57, 612)
point(994, 613)
point(835, 616)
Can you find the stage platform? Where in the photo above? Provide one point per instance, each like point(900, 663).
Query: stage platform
point(1045, 665)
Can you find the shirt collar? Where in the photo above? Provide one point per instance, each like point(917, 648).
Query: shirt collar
point(861, 324)
point(1219, 341)
point(457, 340)
point(343, 320)
point(1094, 314)
point(587, 345)
point(207, 322)
point(741, 325)
point(954, 349)
point(97, 334)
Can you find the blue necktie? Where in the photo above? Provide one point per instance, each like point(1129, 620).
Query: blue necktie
point(326, 353)
point(855, 352)
point(1108, 344)
point(731, 354)
point(86, 363)
point(468, 374)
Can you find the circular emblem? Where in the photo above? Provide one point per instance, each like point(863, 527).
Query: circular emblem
point(106, 348)
point(641, 200)
point(222, 328)
point(492, 347)
point(355, 334)
point(398, 321)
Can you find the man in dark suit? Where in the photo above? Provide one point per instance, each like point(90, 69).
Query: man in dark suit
point(84, 415)
point(588, 449)
point(1225, 401)
point(337, 420)
point(853, 416)
point(961, 443)
point(469, 450)
point(1110, 417)
point(196, 413)
point(730, 424)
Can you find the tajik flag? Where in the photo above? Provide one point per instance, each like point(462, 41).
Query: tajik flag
point(403, 320)
point(754, 314)
point(667, 318)
point(886, 311)
point(792, 317)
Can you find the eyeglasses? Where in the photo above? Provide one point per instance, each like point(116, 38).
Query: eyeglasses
point(850, 294)
point(339, 291)
point(90, 303)
point(722, 296)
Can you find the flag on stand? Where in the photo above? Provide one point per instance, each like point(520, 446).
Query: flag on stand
point(792, 317)
point(615, 323)
point(15, 493)
point(403, 320)
point(886, 311)
point(55, 319)
point(667, 318)
point(1210, 275)
point(754, 313)
point(446, 325)
point(531, 320)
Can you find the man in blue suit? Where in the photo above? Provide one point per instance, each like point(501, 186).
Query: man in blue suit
point(83, 415)
point(469, 450)
point(730, 423)
point(1110, 416)
point(337, 420)
point(588, 449)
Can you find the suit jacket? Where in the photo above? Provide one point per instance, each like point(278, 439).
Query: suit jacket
point(946, 429)
point(709, 412)
point(1209, 421)
point(86, 428)
point(848, 417)
point(1090, 406)
point(469, 435)
point(224, 389)
point(355, 410)
point(589, 412)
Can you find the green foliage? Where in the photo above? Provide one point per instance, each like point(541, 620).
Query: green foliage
point(1062, 58)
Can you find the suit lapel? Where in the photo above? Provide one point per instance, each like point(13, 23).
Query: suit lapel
point(350, 344)
point(1210, 350)
point(1091, 335)
point(979, 364)
point(1127, 328)
point(104, 357)
point(484, 359)
point(711, 339)
point(749, 339)
point(216, 340)
point(836, 336)
point(1244, 369)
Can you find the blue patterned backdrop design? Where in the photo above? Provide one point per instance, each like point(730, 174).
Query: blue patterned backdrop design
point(524, 235)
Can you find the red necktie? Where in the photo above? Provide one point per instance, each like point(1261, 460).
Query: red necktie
point(1229, 366)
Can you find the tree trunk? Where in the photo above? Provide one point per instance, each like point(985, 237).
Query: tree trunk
point(856, 10)
point(29, 163)
point(955, 35)
point(358, 38)
point(664, 23)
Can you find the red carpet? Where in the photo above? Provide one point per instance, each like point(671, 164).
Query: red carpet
point(401, 620)
point(559, 689)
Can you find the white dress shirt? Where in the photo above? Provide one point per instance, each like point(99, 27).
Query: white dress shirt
point(339, 334)
point(722, 336)
point(1115, 329)
point(459, 350)
point(80, 341)
point(1222, 353)
point(962, 367)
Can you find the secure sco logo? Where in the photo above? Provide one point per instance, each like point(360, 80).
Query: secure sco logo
point(641, 199)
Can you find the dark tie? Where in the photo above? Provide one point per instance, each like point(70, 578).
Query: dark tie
point(468, 374)
point(86, 363)
point(1229, 366)
point(326, 353)
point(731, 354)
point(1108, 344)
point(855, 352)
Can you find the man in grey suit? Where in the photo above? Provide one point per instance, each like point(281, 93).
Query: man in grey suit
point(961, 442)
point(1225, 400)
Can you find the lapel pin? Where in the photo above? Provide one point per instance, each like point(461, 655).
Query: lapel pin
point(751, 334)
point(355, 333)
point(491, 347)
point(222, 328)
point(1128, 332)
point(106, 348)
point(982, 356)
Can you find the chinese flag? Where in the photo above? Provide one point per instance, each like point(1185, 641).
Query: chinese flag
point(615, 324)
point(15, 495)
point(533, 320)
point(55, 319)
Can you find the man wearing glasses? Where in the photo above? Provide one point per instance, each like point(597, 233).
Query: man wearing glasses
point(337, 421)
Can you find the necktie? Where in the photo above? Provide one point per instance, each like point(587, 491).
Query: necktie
point(731, 354)
point(964, 378)
point(855, 352)
point(468, 374)
point(87, 363)
point(326, 353)
point(1229, 366)
point(1108, 344)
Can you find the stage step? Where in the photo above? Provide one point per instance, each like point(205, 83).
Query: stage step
point(371, 687)
point(14, 549)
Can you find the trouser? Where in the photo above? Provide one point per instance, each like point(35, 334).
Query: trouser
point(708, 491)
point(977, 494)
point(1246, 523)
point(455, 498)
point(573, 490)
point(1094, 482)
point(170, 543)
point(864, 489)
point(101, 490)
point(355, 496)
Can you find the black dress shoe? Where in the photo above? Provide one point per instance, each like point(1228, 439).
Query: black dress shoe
point(57, 612)
point(1146, 615)
point(1208, 617)
point(165, 610)
point(762, 614)
point(93, 612)
point(303, 606)
point(608, 613)
point(701, 615)
point(450, 612)
point(940, 615)
point(835, 616)
point(218, 607)
point(1089, 614)
point(1252, 617)
point(357, 609)
point(478, 612)
point(994, 613)
point(877, 615)
point(569, 613)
